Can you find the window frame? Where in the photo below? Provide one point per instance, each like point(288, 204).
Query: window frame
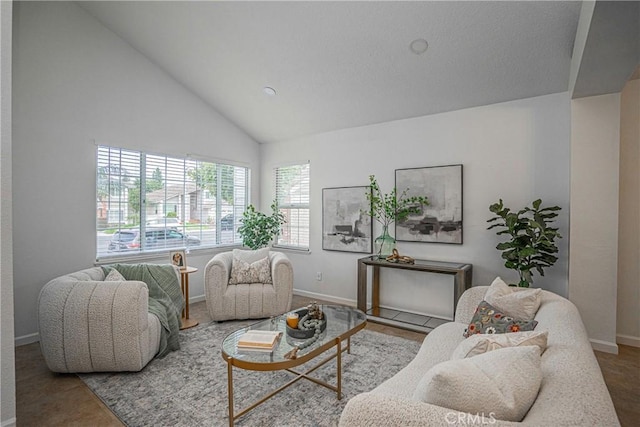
point(239, 184)
point(294, 206)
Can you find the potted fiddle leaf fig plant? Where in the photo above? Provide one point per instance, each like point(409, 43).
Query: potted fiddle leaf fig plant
point(258, 229)
point(531, 238)
point(387, 208)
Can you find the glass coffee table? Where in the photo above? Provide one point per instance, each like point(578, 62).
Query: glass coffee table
point(342, 323)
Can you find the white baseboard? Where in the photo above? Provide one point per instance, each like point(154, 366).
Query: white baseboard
point(27, 339)
point(196, 299)
point(330, 298)
point(11, 422)
point(604, 346)
point(628, 340)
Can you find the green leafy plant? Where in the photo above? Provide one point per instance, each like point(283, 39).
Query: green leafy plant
point(532, 239)
point(258, 229)
point(388, 207)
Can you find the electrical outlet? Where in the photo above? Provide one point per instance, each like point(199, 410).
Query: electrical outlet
point(319, 276)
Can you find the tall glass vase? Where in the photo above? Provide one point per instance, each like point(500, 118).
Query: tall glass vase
point(385, 243)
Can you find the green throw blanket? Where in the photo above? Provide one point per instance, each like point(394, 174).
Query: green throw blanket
point(165, 298)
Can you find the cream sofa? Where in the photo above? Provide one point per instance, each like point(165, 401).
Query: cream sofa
point(573, 392)
point(88, 325)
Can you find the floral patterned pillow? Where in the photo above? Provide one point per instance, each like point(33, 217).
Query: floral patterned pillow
point(256, 272)
point(488, 320)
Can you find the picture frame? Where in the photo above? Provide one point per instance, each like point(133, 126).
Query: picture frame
point(441, 220)
point(178, 258)
point(345, 225)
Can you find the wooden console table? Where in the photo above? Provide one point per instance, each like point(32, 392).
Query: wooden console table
point(462, 274)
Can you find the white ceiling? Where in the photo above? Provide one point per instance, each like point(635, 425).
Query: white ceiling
point(337, 65)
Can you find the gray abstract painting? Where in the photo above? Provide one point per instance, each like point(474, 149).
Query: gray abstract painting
point(441, 221)
point(345, 226)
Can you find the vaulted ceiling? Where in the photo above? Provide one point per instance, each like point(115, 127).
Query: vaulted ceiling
point(336, 65)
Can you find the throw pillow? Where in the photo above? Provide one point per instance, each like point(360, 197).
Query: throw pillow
point(256, 272)
point(520, 303)
point(483, 343)
point(250, 256)
point(114, 276)
point(504, 382)
point(488, 320)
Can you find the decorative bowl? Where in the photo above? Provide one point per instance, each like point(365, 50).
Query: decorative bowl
point(302, 333)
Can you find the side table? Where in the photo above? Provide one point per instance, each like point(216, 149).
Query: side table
point(184, 285)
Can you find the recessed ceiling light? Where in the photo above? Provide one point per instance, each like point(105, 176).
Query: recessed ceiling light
point(418, 46)
point(269, 91)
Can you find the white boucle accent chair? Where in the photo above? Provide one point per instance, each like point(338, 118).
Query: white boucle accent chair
point(88, 325)
point(247, 301)
point(573, 391)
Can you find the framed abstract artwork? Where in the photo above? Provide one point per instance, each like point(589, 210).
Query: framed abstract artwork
point(345, 225)
point(441, 220)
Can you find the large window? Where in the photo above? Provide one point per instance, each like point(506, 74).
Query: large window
point(150, 203)
point(292, 195)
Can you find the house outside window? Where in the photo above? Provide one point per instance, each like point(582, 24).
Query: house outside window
point(175, 203)
point(292, 196)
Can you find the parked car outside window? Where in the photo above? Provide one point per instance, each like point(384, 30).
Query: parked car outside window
point(121, 240)
point(226, 223)
point(155, 238)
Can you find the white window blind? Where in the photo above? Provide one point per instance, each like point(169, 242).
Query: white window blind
point(292, 196)
point(174, 203)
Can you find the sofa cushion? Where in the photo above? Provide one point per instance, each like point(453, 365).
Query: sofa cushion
point(488, 320)
point(255, 272)
point(519, 303)
point(114, 276)
point(503, 383)
point(483, 343)
point(436, 348)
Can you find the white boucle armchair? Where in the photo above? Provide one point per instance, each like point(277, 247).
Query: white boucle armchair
point(88, 325)
point(247, 301)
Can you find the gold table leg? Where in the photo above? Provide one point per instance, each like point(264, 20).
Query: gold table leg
point(337, 388)
point(339, 367)
point(230, 390)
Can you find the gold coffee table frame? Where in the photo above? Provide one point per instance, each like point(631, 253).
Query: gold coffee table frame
point(342, 323)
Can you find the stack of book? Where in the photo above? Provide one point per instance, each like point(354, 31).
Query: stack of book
point(256, 340)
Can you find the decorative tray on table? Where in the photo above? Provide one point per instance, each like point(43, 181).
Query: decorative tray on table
point(307, 324)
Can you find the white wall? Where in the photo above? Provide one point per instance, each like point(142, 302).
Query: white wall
point(76, 82)
point(628, 319)
point(7, 363)
point(517, 151)
point(595, 141)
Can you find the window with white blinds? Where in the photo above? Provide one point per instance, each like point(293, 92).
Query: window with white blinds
point(174, 203)
point(292, 196)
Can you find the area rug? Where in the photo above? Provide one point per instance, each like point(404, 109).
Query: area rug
point(189, 387)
